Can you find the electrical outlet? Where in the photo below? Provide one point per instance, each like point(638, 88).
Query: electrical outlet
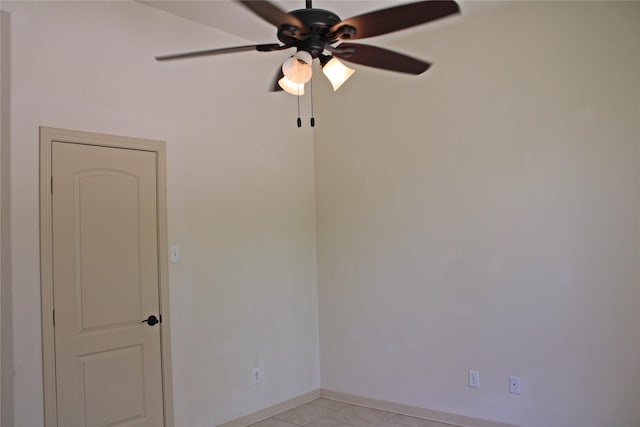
point(257, 375)
point(514, 385)
point(474, 379)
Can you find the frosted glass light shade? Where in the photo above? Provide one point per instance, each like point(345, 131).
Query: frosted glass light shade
point(337, 72)
point(291, 87)
point(298, 68)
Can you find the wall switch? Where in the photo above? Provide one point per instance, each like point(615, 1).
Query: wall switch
point(257, 375)
point(514, 385)
point(474, 379)
point(174, 251)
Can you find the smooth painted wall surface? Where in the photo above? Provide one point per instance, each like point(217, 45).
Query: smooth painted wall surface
point(6, 352)
point(240, 196)
point(486, 216)
point(482, 216)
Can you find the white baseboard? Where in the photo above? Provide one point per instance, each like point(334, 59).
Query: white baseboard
point(269, 412)
point(412, 411)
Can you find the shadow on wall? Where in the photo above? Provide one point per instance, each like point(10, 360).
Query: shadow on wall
point(6, 333)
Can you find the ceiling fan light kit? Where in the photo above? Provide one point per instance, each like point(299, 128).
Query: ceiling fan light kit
point(336, 71)
point(298, 68)
point(291, 87)
point(297, 71)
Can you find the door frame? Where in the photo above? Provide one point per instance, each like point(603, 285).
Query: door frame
point(49, 135)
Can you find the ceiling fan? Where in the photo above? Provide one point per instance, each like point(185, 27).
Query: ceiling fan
point(321, 34)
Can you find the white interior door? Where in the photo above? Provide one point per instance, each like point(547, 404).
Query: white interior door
point(105, 284)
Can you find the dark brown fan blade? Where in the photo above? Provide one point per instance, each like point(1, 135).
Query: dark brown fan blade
point(275, 87)
point(272, 13)
point(209, 52)
point(378, 57)
point(399, 17)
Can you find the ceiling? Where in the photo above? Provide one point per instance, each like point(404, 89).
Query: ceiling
point(234, 19)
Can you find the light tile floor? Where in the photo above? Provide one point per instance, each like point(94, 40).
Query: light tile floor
point(330, 413)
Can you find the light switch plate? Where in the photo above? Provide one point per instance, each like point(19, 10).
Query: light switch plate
point(174, 251)
point(514, 385)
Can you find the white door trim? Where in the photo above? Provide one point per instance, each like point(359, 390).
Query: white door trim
point(47, 137)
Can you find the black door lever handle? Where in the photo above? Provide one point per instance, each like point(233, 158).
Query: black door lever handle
point(151, 320)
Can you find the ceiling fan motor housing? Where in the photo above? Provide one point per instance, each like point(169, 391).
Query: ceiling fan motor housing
point(318, 22)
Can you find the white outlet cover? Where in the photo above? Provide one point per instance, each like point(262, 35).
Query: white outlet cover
point(474, 378)
point(257, 375)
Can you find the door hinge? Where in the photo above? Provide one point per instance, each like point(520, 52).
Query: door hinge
point(54, 318)
point(51, 185)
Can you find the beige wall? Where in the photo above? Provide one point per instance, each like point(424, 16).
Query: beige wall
point(486, 216)
point(240, 196)
point(482, 216)
point(6, 352)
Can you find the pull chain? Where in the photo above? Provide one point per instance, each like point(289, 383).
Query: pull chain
point(313, 120)
point(299, 121)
